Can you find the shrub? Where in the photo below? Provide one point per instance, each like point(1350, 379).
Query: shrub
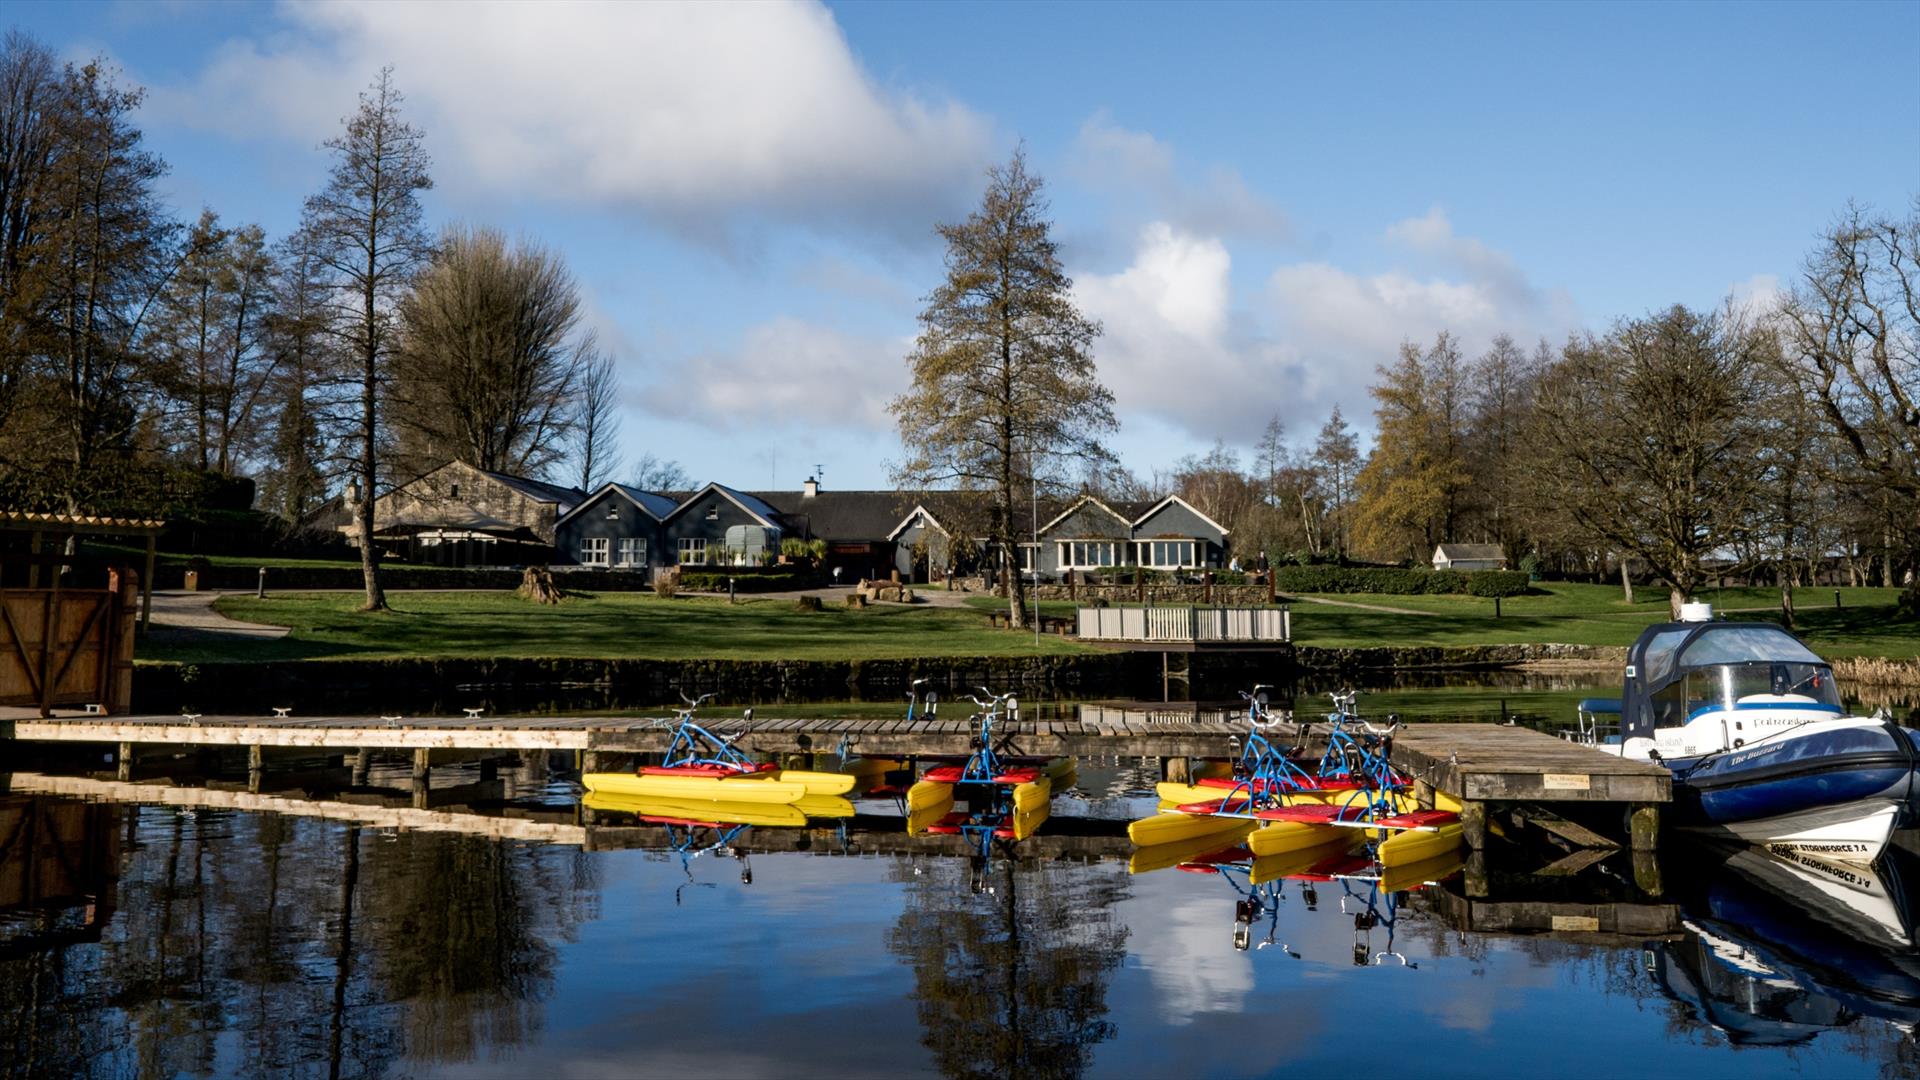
point(748, 579)
point(666, 583)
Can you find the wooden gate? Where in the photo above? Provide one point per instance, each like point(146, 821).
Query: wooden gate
point(69, 646)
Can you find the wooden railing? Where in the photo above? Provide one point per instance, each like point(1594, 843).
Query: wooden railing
point(1185, 625)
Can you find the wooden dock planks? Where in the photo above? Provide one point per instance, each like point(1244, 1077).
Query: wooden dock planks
point(1495, 762)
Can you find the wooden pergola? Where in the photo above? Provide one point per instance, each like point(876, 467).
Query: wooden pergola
point(42, 529)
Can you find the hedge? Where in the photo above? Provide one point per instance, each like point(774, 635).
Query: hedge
point(1345, 579)
point(760, 581)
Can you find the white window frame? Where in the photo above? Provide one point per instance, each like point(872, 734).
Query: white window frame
point(594, 550)
point(1145, 554)
point(630, 551)
point(1073, 552)
point(1029, 558)
point(691, 551)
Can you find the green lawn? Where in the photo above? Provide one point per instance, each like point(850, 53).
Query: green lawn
point(609, 625)
point(1578, 614)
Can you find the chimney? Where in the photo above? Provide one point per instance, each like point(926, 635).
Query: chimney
point(810, 488)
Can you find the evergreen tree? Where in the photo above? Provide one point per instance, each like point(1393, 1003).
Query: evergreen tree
point(1004, 387)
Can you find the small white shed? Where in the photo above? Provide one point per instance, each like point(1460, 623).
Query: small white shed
point(1469, 557)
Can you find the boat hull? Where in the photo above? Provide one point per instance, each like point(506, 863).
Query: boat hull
point(1849, 832)
point(1836, 793)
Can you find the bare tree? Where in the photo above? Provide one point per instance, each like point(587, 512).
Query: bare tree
point(1853, 349)
point(1004, 386)
point(491, 357)
point(366, 226)
point(659, 474)
point(597, 423)
point(209, 340)
point(300, 398)
point(1336, 458)
point(1650, 440)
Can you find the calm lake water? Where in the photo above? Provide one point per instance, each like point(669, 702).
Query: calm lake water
point(323, 939)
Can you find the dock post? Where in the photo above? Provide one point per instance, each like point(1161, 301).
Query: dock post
point(589, 761)
point(1179, 770)
point(1423, 794)
point(1475, 875)
point(256, 767)
point(362, 766)
point(1643, 826)
point(123, 762)
point(1473, 824)
point(422, 776)
point(1646, 873)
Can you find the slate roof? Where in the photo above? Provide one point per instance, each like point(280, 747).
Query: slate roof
point(656, 504)
point(843, 515)
point(566, 498)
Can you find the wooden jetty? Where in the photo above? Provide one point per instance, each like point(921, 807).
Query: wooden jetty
point(1490, 768)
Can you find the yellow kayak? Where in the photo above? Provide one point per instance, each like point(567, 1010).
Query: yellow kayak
point(1032, 795)
point(694, 811)
point(1410, 846)
point(1438, 868)
point(1208, 769)
point(765, 787)
point(1287, 863)
point(818, 783)
point(1059, 767)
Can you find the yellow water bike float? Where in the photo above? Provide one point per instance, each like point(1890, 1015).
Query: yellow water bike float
point(819, 783)
point(698, 812)
point(1184, 794)
point(1150, 857)
point(756, 787)
point(1032, 795)
point(925, 793)
point(865, 766)
point(1287, 864)
point(1400, 877)
point(1170, 828)
point(1413, 846)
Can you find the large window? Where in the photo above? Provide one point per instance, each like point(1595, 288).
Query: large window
point(593, 551)
point(1029, 557)
point(1088, 554)
point(693, 550)
point(1168, 554)
point(632, 551)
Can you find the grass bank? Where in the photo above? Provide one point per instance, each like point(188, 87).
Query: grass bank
point(620, 626)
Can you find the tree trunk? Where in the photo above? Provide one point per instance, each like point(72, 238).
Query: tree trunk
point(1626, 579)
point(1676, 596)
point(1786, 598)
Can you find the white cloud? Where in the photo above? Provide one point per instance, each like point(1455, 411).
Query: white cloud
point(1179, 347)
point(696, 114)
point(786, 373)
point(1142, 168)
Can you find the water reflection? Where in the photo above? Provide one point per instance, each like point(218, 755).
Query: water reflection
point(256, 943)
point(1778, 949)
point(194, 939)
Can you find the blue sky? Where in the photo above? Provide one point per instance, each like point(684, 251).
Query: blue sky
point(1259, 202)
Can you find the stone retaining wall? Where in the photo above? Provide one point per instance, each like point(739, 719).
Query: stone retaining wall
point(348, 576)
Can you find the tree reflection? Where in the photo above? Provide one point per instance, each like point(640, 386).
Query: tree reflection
point(1011, 963)
point(261, 944)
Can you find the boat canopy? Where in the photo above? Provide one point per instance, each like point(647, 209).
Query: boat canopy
point(1667, 653)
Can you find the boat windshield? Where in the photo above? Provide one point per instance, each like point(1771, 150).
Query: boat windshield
point(1755, 684)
